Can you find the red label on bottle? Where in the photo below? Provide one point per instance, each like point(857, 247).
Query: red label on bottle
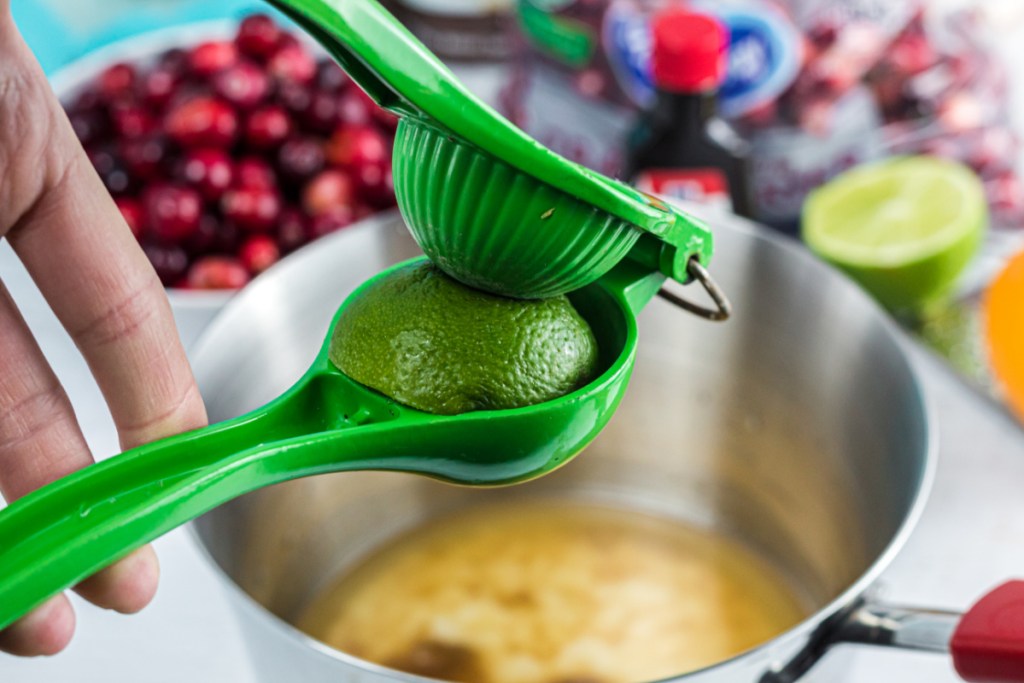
point(702, 185)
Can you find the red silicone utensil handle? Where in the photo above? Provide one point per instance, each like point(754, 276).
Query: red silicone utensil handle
point(988, 644)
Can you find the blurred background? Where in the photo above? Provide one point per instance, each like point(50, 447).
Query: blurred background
point(802, 92)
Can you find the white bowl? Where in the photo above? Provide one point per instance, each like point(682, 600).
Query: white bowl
point(193, 310)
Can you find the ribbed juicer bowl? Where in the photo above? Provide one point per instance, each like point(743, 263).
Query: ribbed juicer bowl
point(495, 227)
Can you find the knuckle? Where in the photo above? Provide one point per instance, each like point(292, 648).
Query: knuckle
point(118, 321)
point(27, 159)
point(28, 416)
point(179, 412)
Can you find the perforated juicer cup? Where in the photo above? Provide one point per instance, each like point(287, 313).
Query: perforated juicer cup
point(488, 204)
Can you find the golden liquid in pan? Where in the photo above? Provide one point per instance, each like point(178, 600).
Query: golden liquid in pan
point(546, 592)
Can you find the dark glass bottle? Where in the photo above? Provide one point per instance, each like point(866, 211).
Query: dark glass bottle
point(680, 147)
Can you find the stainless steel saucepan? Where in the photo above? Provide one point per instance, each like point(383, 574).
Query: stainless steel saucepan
point(800, 430)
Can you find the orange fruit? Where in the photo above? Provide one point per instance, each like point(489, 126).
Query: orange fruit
point(1004, 331)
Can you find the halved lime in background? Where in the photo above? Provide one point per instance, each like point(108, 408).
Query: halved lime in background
point(904, 228)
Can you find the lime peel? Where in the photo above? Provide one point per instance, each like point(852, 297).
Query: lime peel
point(432, 343)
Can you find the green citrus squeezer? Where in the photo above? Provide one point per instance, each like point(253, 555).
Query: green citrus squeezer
point(58, 535)
point(491, 206)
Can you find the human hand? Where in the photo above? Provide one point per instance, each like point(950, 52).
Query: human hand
point(66, 230)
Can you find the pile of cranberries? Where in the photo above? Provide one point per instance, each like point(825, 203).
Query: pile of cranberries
point(225, 156)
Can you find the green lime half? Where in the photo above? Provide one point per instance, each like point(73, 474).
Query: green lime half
point(430, 342)
point(904, 228)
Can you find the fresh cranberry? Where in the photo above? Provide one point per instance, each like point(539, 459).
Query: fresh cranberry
point(361, 211)
point(212, 236)
point(295, 97)
point(217, 272)
point(244, 85)
point(355, 146)
point(287, 40)
point(117, 81)
point(911, 54)
point(333, 220)
point(175, 61)
point(267, 127)
point(172, 211)
point(258, 36)
point(1006, 193)
point(254, 172)
point(300, 159)
point(385, 119)
point(251, 208)
point(144, 156)
point(212, 56)
point(89, 99)
point(824, 33)
point(328, 190)
point(169, 261)
point(330, 77)
point(258, 253)
point(993, 150)
point(89, 125)
point(888, 89)
point(322, 113)
point(355, 107)
point(292, 229)
point(202, 122)
point(131, 120)
point(292, 63)
point(131, 209)
point(208, 170)
point(157, 86)
point(111, 170)
point(375, 184)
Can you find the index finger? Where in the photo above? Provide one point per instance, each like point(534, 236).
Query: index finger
point(79, 251)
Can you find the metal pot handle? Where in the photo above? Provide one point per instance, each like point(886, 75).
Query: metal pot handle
point(986, 642)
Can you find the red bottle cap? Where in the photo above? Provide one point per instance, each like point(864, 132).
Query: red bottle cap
point(689, 53)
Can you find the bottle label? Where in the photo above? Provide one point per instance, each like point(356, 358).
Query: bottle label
point(707, 186)
point(789, 162)
point(764, 51)
point(469, 37)
point(589, 132)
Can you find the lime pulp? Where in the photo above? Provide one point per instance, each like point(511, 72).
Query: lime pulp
point(904, 228)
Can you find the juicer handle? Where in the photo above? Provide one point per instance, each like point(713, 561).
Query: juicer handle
point(64, 532)
point(358, 33)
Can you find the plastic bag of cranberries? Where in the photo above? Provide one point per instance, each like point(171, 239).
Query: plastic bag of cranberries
point(928, 76)
point(817, 86)
point(225, 155)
